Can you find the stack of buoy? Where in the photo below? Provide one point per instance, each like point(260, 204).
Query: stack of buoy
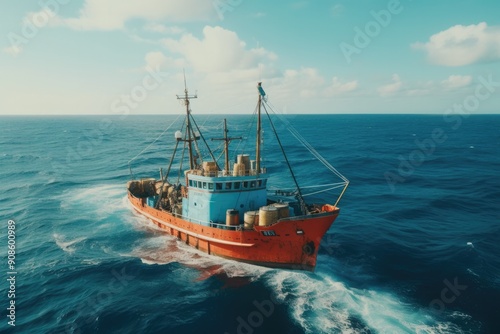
point(147, 187)
point(244, 159)
point(268, 215)
point(239, 169)
point(250, 219)
point(283, 210)
point(133, 185)
point(210, 168)
point(166, 187)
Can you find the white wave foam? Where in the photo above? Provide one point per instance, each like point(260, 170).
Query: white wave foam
point(90, 262)
point(103, 207)
point(472, 272)
point(104, 199)
point(66, 245)
point(322, 305)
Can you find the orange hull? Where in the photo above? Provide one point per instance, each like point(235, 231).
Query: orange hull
point(290, 243)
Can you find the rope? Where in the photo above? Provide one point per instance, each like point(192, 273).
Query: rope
point(324, 190)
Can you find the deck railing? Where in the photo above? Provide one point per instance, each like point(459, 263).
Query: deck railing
point(228, 174)
point(211, 224)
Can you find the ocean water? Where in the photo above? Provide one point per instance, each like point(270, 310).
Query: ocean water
point(416, 248)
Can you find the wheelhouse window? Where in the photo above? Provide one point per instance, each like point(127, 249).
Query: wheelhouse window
point(237, 185)
point(210, 186)
point(204, 185)
point(228, 185)
point(245, 184)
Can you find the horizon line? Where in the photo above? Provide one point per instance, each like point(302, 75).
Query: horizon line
point(239, 114)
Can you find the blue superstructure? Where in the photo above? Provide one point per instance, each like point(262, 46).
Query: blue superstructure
point(210, 197)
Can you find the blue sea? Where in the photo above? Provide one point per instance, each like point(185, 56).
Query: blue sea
point(415, 249)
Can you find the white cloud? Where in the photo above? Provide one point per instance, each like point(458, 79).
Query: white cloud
point(13, 50)
point(219, 50)
point(463, 45)
point(163, 29)
point(307, 83)
point(113, 14)
point(225, 59)
point(337, 87)
point(424, 88)
point(220, 64)
point(157, 60)
point(456, 81)
point(391, 89)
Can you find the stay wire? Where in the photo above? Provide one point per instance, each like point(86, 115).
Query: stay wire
point(306, 144)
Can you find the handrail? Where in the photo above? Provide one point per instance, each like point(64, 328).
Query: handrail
point(221, 173)
point(209, 223)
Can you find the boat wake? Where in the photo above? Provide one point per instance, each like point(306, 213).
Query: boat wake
point(319, 304)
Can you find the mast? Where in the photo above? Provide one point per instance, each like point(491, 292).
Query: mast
point(226, 140)
point(189, 130)
point(259, 129)
point(226, 148)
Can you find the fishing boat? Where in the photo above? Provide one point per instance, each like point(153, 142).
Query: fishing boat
point(227, 211)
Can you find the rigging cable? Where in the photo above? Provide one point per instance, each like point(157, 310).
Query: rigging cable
point(299, 193)
point(313, 151)
point(306, 144)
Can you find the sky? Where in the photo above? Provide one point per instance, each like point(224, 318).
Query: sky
point(67, 57)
